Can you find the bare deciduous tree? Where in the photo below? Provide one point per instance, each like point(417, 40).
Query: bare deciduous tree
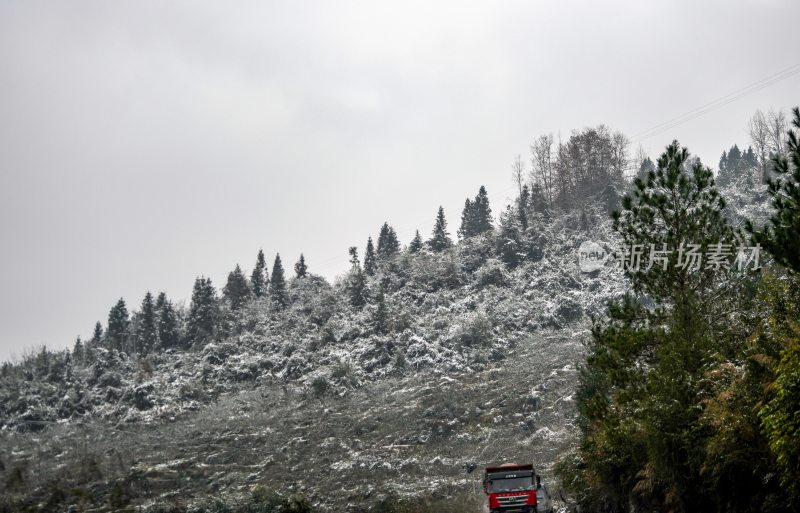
point(542, 169)
point(758, 130)
point(518, 172)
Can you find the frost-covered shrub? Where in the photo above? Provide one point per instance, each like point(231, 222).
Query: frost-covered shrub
point(474, 252)
point(475, 330)
point(436, 271)
point(493, 272)
point(569, 309)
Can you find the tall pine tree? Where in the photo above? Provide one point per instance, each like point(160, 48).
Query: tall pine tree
point(146, 333)
point(440, 239)
point(356, 284)
point(370, 261)
point(300, 267)
point(236, 290)
point(201, 326)
point(388, 244)
point(482, 213)
point(416, 243)
point(97, 336)
point(118, 323)
point(258, 278)
point(168, 330)
point(277, 285)
point(466, 231)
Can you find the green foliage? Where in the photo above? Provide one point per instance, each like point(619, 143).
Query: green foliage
point(146, 332)
point(416, 243)
point(388, 244)
point(277, 285)
point(780, 237)
point(647, 441)
point(258, 278)
point(118, 323)
point(236, 290)
point(168, 326)
point(370, 260)
point(476, 218)
point(440, 239)
point(300, 267)
point(381, 316)
point(201, 326)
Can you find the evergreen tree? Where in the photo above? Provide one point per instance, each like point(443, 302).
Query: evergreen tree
point(160, 301)
point(381, 317)
point(236, 290)
point(78, 350)
point(482, 215)
point(356, 284)
point(780, 418)
point(538, 200)
point(476, 218)
point(523, 207)
point(277, 285)
point(97, 336)
point(416, 243)
point(780, 237)
point(258, 278)
point(466, 230)
point(642, 391)
point(146, 332)
point(509, 239)
point(440, 239)
point(370, 261)
point(168, 332)
point(201, 326)
point(118, 323)
point(647, 166)
point(388, 244)
point(300, 267)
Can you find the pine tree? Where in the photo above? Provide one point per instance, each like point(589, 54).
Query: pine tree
point(168, 333)
point(236, 290)
point(416, 243)
point(509, 239)
point(381, 318)
point(440, 239)
point(647, 166)
point(356, 284)
point(642, 392)
point(482, 213)
point(277, 285)
point(779, 417)
point(160, 301)
point(466, 230)
point(524, 207)
point(201, 326)
point(146, 333)
point(388, 244)
point(78, 350)
point(97, 336)
point(300, 267)
point(258, 278)
point(370, 261)
point(118, 323)
point(780, 237)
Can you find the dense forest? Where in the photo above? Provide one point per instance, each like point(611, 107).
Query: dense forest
point(688, 385)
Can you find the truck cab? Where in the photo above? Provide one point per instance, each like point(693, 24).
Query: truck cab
point(511, 488)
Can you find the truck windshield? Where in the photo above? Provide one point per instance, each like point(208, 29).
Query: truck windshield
point(514, 484)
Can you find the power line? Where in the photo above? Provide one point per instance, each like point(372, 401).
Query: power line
point(718, 102)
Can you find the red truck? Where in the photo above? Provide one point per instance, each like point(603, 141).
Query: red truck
point(512, 488)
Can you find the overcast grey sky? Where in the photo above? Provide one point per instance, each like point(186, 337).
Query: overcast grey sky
point(144, 143)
